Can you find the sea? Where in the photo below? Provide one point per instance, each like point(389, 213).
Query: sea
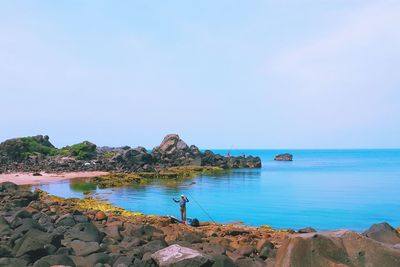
point(324, 189)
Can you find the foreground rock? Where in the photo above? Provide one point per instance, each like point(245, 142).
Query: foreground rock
point(36, 154)
point(384, 233)
point(284, 157)
point(176, 255)
point(336, 248)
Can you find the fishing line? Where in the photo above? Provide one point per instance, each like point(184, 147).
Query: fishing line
point(209, 216)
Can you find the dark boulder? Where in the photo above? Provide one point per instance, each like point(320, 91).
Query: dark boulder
point(24, 225)
point(284, 157)
point(384, 233)
point(86, 232)
point(33, 243)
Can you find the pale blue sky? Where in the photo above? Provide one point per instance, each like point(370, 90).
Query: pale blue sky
point(222, 74)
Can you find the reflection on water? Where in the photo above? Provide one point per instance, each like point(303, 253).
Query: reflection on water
point(325, 189)
point(82, 186)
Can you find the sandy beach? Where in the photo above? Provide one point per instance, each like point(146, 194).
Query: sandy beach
point(30, 179)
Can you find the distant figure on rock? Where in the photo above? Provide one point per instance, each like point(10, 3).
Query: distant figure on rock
point(182, 204)
point(284, 157)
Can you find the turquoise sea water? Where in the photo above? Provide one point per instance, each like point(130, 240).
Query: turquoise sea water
point(325, 189)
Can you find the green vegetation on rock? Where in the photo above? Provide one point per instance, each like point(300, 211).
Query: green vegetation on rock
point(83, 151)
point(19, 149)
point(125, 179)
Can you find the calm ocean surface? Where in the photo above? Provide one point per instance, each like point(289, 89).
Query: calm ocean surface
point(325, 189)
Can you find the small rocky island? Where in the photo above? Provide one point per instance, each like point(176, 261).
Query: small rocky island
point(37, 153)
point(284, 157)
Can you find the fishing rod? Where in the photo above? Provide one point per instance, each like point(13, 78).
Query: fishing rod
point(209, 216)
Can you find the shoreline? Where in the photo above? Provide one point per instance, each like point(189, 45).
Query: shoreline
point(27, 178)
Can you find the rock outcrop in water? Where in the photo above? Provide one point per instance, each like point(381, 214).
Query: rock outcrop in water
point(35, 154)
point(40, 230)
point(284, 157)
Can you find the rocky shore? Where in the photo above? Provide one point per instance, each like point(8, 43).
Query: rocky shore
point(41, 230)
point(37, 154)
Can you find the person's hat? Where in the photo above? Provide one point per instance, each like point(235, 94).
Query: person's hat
point(182, 195)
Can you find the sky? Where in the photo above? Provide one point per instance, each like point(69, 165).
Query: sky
point(221, 74)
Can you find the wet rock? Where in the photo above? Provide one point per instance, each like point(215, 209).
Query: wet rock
point(176, 255)
point(384, 233)
point(86, 232)
point(284, 157)
point(82, 248)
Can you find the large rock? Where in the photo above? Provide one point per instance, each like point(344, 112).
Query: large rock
point(384, 233)
point(336, 248)
point(19, 149)
point(173, 151)
point(284, 157)
point(82, 248)
point(175, 256)
point(34, 243)
point(171, 144)
point(86, 232)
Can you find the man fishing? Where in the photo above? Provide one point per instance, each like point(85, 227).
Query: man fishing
point(182, 204)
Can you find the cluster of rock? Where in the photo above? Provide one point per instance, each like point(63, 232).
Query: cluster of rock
point(16, 155)
point(284, 157)
point(43, 231)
